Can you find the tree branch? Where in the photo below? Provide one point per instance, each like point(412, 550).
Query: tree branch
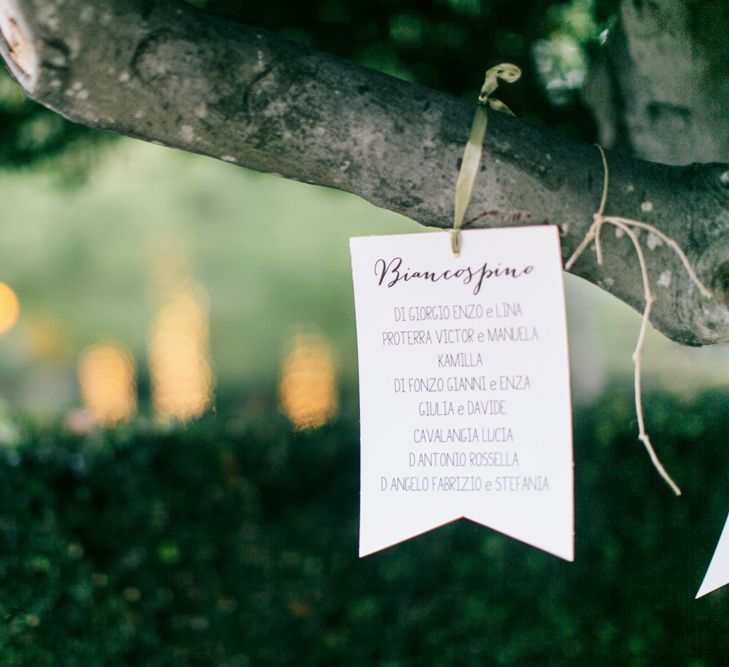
point(161, 71)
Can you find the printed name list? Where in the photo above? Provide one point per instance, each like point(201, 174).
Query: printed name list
point(464, 386)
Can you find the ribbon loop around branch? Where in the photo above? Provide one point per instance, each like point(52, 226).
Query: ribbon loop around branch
point(474, 146)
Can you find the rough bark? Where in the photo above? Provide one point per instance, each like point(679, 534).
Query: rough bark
point(161, 71)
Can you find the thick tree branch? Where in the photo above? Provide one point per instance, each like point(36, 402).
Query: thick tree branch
point(161, 71)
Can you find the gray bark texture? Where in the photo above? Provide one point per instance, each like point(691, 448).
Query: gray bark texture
point(161, 71)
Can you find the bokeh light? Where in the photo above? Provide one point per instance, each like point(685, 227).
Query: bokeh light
point(9, 308)
point(308, 387)
point(179, 360)
point(107, 378)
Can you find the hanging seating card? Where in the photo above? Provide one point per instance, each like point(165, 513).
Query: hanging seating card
point(464, 386)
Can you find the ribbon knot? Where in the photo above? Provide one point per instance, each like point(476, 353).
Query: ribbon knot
point(474, 147)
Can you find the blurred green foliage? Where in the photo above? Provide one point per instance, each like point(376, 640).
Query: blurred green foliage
point(234, 543)
point(33, 135)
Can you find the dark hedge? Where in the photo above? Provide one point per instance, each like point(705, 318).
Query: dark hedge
point(234, 542)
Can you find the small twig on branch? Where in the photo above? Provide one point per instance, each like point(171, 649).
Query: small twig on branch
point(627, 226)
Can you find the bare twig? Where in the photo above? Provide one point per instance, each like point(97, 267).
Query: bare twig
point(629, 226)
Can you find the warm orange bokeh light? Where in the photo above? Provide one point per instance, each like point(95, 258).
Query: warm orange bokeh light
point(178, 357)
point(9, 308)
point(108, 382)
point(308, 388)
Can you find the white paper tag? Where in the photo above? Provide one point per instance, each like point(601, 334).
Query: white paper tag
point(464, 386)
point(718, 573)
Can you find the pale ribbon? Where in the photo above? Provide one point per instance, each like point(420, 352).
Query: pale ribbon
point(474, 147)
